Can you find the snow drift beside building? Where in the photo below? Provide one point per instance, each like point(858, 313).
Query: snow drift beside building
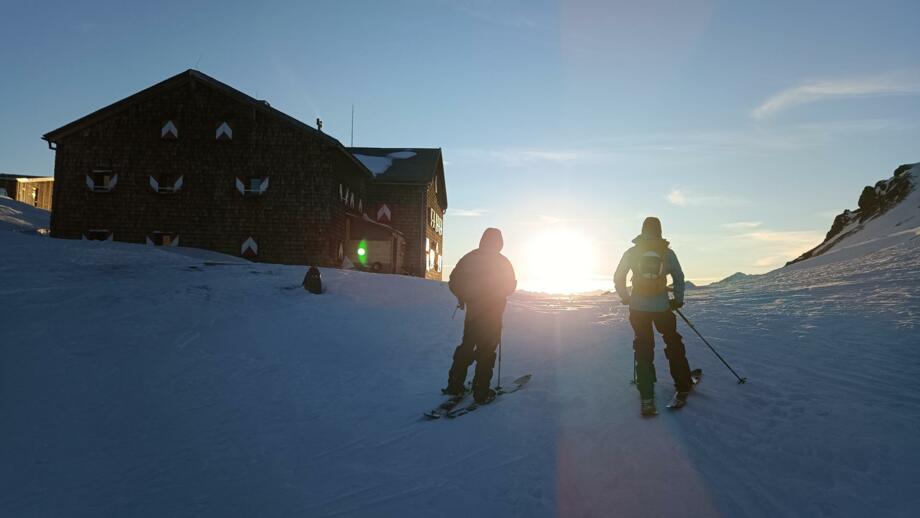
point(20, 217)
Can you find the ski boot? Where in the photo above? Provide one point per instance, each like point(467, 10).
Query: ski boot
point(648, 407)
point(484, 398)
point(679, 400)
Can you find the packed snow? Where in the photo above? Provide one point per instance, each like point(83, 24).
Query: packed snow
point(137, 381)
point(380, 164)
point(21, 217)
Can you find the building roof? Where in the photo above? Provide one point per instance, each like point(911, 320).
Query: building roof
point(417, 166)
point(182, 79)
point(25, 177)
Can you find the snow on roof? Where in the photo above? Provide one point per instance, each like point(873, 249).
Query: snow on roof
point(379, 164)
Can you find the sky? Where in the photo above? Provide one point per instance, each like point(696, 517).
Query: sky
point(744, 126)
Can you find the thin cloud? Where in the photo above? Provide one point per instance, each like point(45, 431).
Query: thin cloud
point(742, 224)
point(782, 246)
point(467, 213)
point(803, 237)
point(521, 157)
point(842, 88)
point(683, 198)
point(678, 198)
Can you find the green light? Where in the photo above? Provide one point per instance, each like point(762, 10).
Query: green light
point(362, 252)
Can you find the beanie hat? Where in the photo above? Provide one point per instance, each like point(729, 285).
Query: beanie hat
point(651, 227)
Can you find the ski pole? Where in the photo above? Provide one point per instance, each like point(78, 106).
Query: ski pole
point(740, 379)
point(498, 383)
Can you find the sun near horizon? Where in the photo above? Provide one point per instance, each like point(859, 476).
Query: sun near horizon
point(559, 260)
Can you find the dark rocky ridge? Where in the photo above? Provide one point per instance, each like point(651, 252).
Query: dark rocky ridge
point(873, 202)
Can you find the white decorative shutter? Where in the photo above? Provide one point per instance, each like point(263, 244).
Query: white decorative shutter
point(112, 182)
point(178, 184)
point(224, 130)
point(149, 241)
point(169, 129)
point(154, 184)
point(384, 214)
point(249, 244)
point(264, 186)
point(90, 183)
point(240, 187)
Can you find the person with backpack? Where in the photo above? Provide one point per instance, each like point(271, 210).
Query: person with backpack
point(482, 281)
point(651, 261)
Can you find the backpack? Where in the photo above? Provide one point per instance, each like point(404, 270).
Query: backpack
point(313, 281)
point(651, 268)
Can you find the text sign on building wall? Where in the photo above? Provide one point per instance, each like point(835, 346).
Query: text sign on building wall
point(436, 222)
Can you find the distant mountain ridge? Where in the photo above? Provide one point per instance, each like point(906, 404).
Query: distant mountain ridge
point(889, 208)
point(735, 277)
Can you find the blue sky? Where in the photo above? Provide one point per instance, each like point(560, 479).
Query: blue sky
point(745, 126)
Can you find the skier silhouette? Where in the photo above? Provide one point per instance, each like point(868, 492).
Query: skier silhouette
point(482, 281)
point(651, 261)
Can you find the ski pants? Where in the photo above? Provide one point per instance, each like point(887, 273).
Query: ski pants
point(644, 347)
point(481, 336)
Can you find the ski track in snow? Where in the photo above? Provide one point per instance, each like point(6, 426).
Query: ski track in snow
point(139, 382)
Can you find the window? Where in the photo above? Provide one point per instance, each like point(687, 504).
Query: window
point(166, 183)
point(101, 180)
point(98, 235)
point(159, 238)
point(254, 185)
point(35, 196)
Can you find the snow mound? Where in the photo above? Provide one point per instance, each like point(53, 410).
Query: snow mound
point(888, 213)
point(735, 277)
point(380, 164)
point(20, 217)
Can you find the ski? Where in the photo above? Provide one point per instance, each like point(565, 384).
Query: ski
point(444, 408)
point(680, 398)
point(516, 385)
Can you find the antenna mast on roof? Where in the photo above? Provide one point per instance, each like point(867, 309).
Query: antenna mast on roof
point(352, 125)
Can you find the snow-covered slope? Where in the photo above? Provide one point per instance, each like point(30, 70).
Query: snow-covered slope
point(139, 382)
point(888, 213)
point(19, 217)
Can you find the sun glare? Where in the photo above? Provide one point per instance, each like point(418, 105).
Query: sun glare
point(559, 260)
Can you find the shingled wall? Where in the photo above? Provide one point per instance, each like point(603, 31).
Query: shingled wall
point(300, 218)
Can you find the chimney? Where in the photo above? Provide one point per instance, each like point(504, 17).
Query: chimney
point(319, 124)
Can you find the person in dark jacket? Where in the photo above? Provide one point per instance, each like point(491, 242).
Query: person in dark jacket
point(482, 281)
point(651, 261)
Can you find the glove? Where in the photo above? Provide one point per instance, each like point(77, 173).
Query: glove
point(675, 304)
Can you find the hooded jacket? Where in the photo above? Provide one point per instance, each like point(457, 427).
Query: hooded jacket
point(648, 299)
point(484, 278)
